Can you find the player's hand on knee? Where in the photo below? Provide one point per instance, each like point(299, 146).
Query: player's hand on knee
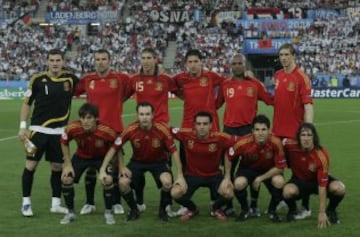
point(181, 182)
point(68, 171)
point(256, 184)
point(103, 176)
point(226, 188)
point(178, 190)
point(67, 177)
point(125, 172)
point(107, 180)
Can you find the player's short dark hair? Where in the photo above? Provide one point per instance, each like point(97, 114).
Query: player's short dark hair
point(193, 52)
point(311, 127)
point(144, 104)
point(154, 54)
point(262, 119)
point(203, 114)
point(104, 51)
point(90, 109)
point(288, 46)
point(55, 52)
point(150, 51)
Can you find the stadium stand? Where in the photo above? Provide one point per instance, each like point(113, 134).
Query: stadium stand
point(20, 45)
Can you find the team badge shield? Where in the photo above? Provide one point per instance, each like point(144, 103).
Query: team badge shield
point(212, 147)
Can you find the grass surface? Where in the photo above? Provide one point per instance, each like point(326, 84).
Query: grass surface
point(338, 122)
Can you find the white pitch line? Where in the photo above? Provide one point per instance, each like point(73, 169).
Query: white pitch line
point(338, 122)
point(7, 138)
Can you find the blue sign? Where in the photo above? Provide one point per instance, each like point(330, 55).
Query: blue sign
point(326, 13)
point(14, 84)
point(275, 25)
point(81, 17)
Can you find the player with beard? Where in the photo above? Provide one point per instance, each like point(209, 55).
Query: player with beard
point(108, 90)
point(152, 86)
point(241, 95)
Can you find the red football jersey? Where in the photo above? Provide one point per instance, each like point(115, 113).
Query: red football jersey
point(203, 156)
point(308, 165)
point(154, 90)
point(256, 156)
point(148, 146)
point(241, 97)
point(292, 91)
point(199, 94)
point(108, 94)
point(89, 145)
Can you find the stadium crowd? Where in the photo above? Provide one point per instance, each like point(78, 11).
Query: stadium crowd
point(218, 41)
point(94, 5)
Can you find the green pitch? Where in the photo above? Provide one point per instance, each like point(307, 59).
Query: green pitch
point(338, 122)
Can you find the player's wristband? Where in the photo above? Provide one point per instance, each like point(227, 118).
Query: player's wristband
point(23, 125)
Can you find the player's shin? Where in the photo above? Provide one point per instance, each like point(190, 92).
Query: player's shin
point(90, 182)
point(69, 194)
point(108, 196)
point(55, 181)
point(27, 182)
point(276, 197)
point(129, 198)
point(241, 196)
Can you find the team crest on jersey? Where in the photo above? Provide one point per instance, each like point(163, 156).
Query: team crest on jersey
point(113, 83)
point(203, 81)
point(44, 80)
point(250, 92)
point(212, 147)
point(136, 143)
point(312, 167)
point(66, 86)
point(190, 144)
point(159, 86)
point(268, 155)
point(291, 86)
point(99, 143)
point(155, 143)
point(92, 85)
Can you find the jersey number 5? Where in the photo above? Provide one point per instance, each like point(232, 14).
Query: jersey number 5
point(139, 86)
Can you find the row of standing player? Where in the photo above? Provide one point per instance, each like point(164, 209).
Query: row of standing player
point(195, 86)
